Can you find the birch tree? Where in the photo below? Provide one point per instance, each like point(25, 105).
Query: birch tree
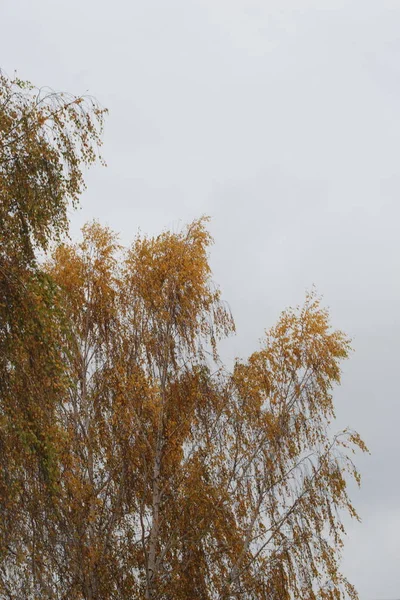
point(46, 139)
point(134, 465)
point(183, 480)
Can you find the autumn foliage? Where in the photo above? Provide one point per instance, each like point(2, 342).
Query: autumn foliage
point(133, 464)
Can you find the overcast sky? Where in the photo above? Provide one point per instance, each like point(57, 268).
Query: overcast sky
point(281, 120)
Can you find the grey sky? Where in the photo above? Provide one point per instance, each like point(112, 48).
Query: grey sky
point(281, 120)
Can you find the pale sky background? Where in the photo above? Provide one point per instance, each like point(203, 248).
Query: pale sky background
point(281, 120)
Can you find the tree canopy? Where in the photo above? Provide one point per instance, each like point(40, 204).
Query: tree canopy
point(134, 464)
point(46, 139)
